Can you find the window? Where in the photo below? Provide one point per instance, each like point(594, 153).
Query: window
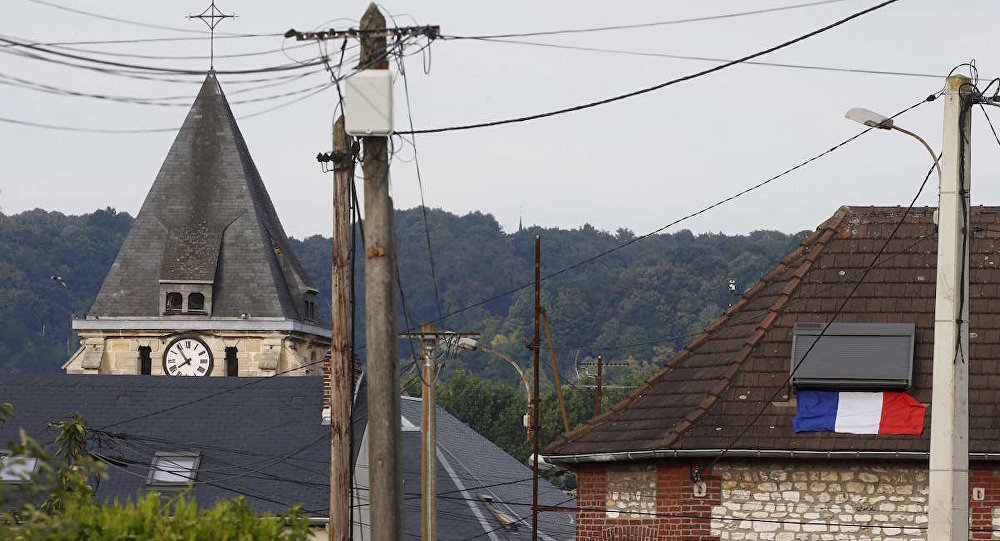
point(232, 363)
point(145, 361)
point(174, 302)
point(196, 302)
point(173, 468)
point(853, 355)
point(16, 469)
point(310, 310)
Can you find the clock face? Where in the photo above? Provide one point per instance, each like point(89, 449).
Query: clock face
point(187, 356)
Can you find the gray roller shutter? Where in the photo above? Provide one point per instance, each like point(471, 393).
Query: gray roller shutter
point(853, 355)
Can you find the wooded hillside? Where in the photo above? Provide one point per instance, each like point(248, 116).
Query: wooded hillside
point(643, 301)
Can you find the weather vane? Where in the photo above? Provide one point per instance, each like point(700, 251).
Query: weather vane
point(212, 16)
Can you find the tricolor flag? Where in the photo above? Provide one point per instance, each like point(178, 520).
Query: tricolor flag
point(858, 413)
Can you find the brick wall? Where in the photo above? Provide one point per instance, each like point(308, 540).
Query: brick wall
point(678, 515)
point(772, 500)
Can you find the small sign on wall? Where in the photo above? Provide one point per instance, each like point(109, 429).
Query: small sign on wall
point(978, 494)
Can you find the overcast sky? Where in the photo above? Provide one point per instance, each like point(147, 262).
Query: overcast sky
point(638, 163)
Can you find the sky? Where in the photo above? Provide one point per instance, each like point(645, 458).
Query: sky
point(639, 163)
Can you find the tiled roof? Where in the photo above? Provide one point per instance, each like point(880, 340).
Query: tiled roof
point(711, 391)
point(207, 217)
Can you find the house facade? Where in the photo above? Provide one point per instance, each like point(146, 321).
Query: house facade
point(706, 449)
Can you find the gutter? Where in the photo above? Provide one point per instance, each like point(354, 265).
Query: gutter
point(623, 456)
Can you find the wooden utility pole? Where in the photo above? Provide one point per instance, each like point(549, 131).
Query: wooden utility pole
point(340, 340)
point(534, 399)
point(428, 427)
point(385, 432)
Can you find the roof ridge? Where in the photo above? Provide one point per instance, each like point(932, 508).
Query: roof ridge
point(819, 238)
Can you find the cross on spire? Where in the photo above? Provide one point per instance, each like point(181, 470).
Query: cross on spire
point(212, 16)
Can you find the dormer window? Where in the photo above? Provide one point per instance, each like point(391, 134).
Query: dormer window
point(16, 469)
point(175, 303)
point(196, 302)
point(173, 469)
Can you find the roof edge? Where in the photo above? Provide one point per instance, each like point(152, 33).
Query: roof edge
point(825, 229)
point(598, 458)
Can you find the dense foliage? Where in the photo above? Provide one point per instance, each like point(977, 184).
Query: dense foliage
point(58, 505)
point(642, 302)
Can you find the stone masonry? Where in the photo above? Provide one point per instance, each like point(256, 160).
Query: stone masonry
point(821, 500)
point(772, 500)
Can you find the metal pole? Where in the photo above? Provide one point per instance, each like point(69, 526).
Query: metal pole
point(385, 432)
point(340, 340)
point(555, 370)
point(948, 517)
point(535, 405)
point(597, 393)
point(428, 427)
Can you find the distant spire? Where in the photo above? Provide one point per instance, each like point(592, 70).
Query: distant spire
point(520, 220)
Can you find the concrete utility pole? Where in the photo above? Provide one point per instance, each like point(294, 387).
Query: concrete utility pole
point(428, 426)
point(948, 517)
point(340, 340)
point(536, 344)
point(385, 432)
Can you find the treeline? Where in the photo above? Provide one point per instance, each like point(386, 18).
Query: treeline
point(642, 302)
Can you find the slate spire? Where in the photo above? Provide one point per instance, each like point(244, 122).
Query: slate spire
point(207, 219)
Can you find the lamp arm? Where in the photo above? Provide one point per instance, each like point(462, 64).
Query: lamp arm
point(524, 378)
point(937, 164)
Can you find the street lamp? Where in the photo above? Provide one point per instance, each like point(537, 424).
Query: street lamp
point(882, 122)
point(471, 344)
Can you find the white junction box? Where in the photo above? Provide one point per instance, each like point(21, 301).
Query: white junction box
point(368, 103)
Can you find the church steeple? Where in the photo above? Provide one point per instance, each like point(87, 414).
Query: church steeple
point(206, 252)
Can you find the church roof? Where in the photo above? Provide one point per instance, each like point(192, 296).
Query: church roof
point(207, 218)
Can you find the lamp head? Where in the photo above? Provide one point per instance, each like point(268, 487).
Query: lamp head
point(468, 344)
point(869, 118)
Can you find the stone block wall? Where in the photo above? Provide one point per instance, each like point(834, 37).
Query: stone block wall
point(773, 500)
point(819, 500)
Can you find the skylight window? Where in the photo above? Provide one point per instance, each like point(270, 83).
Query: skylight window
point(16, 469)
point(173, 468)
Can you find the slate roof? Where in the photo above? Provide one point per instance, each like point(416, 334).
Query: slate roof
point(262, 438)
point(257, 437)
point(705, 396)
point(469, 467)
point(207, 217)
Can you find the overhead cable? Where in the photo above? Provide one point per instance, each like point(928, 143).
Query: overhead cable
point(684, 218)
point(659, 86)
point(650, 24)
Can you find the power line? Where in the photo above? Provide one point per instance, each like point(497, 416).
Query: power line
point(713, 59)
point(161, 69)
point(652, 24)
point(659, 86)
point(420, 184)
point(129, 21)
point(684, 218)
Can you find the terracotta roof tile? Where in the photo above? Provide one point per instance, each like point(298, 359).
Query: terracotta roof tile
point(709, 392)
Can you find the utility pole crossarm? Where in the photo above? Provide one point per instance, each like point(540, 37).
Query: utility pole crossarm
point(428, 31)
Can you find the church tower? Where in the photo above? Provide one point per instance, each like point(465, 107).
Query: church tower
point(206, 283)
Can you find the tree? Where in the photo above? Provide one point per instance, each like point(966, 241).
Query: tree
point(68, 512)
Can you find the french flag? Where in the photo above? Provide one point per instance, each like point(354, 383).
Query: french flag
point(858, 413)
